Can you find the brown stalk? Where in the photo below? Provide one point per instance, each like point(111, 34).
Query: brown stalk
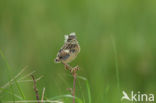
point(74, 84)
point(35, 89)
point(73, 71)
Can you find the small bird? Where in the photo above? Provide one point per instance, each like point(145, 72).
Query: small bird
point(69, 50)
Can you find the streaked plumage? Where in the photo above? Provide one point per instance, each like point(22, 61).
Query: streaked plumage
point(69, 50)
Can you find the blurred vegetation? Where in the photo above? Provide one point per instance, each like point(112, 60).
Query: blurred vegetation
point(114, 35)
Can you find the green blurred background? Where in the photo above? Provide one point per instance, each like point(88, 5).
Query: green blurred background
point(117, 39)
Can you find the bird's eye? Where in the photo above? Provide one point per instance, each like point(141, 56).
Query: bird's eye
point(60, 57)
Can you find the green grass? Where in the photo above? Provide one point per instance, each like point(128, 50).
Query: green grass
point(19, 89)
point(65, 98)
point(9, 75)
point(88, 88)
point(116, 61)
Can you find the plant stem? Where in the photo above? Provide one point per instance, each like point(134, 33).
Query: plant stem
point(35, 89)
point(73, 72)
point(74, 84)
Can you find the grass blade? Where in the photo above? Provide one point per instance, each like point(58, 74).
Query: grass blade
point(116, 61)
point(9, 75)
point(88, 88)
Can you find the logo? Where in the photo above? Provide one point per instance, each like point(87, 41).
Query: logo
point(138, 97)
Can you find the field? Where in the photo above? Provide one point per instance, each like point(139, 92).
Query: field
point(117, 40)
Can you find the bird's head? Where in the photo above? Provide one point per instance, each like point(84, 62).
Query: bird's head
point(71, 37)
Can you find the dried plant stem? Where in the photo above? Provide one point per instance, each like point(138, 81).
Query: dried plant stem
point(35, 89)
point(42, 99)
point(73, 71)
point(74, 84)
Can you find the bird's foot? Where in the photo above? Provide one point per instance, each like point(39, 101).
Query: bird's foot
point(67, 67)
point(75, 69)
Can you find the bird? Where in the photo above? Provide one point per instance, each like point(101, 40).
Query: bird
point(69, 50)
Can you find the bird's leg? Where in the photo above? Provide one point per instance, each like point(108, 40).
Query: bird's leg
point(74, 70)
point(67, 67)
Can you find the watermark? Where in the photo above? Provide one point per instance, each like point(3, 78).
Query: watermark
point(137, 96)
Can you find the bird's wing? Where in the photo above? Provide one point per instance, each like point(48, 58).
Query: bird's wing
point(63, 54)
point(66, 50)
point(71, 47)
